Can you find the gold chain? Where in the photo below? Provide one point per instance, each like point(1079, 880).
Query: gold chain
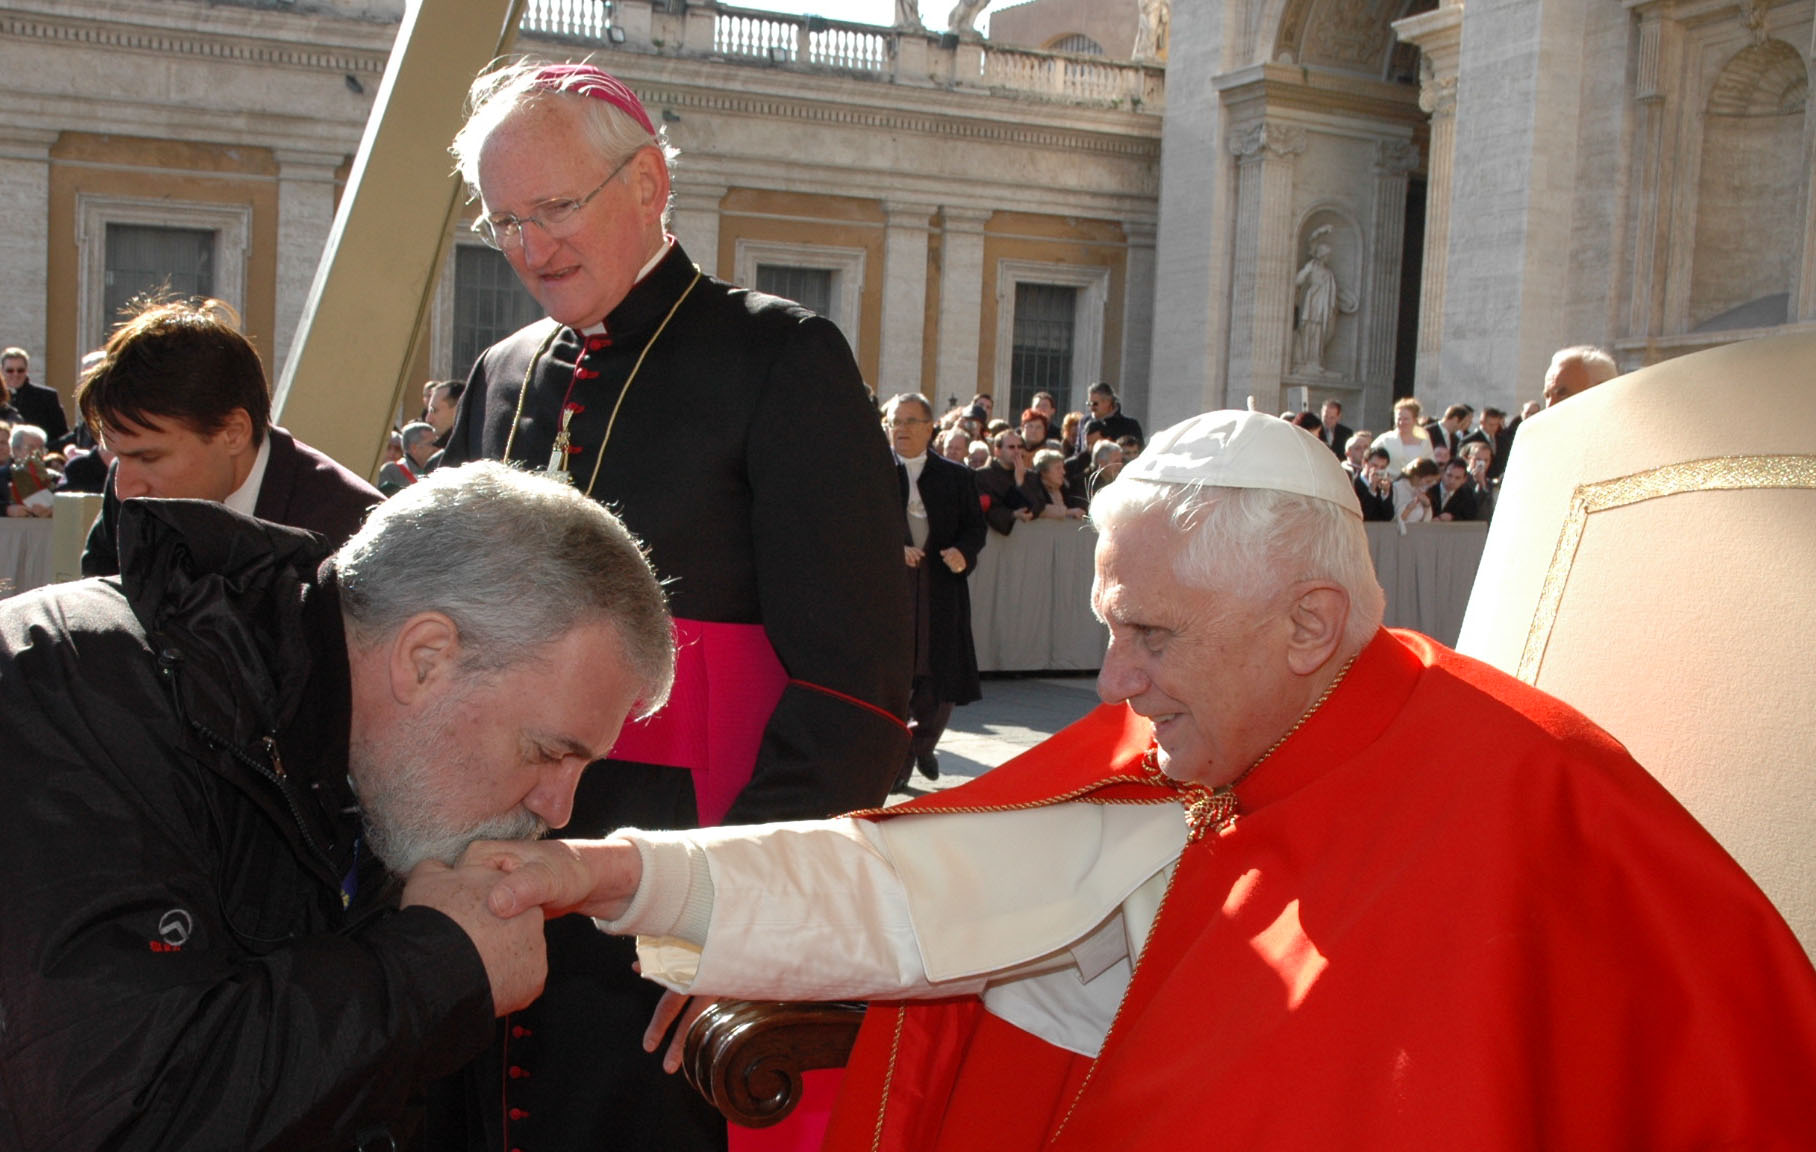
point(1213, 809)
point(611, 422)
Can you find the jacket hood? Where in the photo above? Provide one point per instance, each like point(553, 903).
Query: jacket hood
point(221, 597)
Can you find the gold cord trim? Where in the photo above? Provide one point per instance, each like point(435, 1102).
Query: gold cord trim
point(1714, 474)
point(612, 421)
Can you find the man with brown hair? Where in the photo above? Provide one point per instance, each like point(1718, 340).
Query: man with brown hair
point(180, 397)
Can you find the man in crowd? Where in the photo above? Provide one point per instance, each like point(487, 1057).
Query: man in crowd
point(795, 666)
point(1107, 410)
point(441, 406)
point(1448, 431)
point(37, 404)
point(227, 770)
point(1000, 482)
point(179, 396)
point(1247, 897)
point(1493, 432)
point(1455, 497)
point(943, 535)
point(1333, 431)
point(1577, 369)
point(418, 447)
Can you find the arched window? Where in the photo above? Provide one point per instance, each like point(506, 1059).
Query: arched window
point(1076, 42)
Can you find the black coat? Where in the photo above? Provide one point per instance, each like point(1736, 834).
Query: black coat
point(177, 966)
point(954, 520)
point(1460, 505)
point(86, 473)
point(996, 485)
point(41, 405)
point(302, 488)
point(746, 454)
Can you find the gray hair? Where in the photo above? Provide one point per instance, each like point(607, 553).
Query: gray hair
point(1597, 363)
point(1045, 457)
point(24, 432)
point(416, 433)
point(1250, 542)
point(508, 88)
point(1100, 452)
point(902, 398)
point(514, 559)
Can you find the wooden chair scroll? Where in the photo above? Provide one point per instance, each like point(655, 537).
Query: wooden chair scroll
point(748, 1057)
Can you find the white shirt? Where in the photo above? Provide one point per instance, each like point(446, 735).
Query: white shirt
point(1041, 912)
point(245, 498)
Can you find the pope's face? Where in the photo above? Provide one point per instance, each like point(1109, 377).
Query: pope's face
point(1208, 668)
point(539, 155)
point(493, 755)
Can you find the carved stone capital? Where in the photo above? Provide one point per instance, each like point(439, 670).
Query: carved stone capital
point(1268, 139)
point(1437, 94)
point(1396, 157)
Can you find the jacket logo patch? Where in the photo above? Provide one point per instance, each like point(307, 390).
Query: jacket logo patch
point(174, 930)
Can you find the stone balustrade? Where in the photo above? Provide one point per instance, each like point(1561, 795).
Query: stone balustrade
point(915, 57)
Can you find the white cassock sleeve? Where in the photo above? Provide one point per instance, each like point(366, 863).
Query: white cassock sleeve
point(1035, 910)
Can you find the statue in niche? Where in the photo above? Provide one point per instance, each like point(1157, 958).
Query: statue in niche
point(908, 15)
point(1156, 25)
point(1319, 299)
point(964, 17)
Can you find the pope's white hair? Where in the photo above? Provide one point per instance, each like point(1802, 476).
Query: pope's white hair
point(1251, 542)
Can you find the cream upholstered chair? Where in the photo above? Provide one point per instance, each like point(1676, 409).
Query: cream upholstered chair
point(1652, 561)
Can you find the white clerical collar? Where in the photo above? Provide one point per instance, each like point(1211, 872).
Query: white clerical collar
point(245, 498)
point(668, 242)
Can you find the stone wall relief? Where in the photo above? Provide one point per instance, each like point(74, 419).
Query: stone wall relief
point(1750, 190)
point(1324, 292)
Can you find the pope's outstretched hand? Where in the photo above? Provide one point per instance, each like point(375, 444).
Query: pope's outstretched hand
point(592, 877)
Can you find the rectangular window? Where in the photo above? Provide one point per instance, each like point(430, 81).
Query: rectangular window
point(811, 288)
point(490, 303)
point(1041, 357)
point(144, 258)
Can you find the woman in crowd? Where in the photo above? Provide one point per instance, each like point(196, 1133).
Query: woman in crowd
point(1034, 428)
point(1412, 491)
point(1045, 488)
point(1406, 440)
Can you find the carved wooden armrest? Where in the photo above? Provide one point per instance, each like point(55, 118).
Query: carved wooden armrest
point(748, 1057)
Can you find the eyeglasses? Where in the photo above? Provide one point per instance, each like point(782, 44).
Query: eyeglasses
point(907, 421)
point(552, 216)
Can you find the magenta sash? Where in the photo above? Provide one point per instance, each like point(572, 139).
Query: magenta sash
point(727, 683)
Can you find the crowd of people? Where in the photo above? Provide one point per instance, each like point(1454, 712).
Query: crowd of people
point(39, 454)
point(277, 791)
point(1448, 468)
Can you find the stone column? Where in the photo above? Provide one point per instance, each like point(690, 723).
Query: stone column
point(694, 220)
point(1654, 154)
point(25, 244)
point(305, 217)
point(1261, 298)
point(1439, 36)
point(1803, 292)
point(904, 298)
point(1393, 160)
point(961, 301)
point(1137, 319)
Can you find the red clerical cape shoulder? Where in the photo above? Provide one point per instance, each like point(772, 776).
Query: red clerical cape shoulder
point(1454, 914)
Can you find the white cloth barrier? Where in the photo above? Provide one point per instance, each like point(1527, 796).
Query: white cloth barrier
point(1031, 593)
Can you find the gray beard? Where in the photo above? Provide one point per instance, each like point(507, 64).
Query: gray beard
point(397, 781)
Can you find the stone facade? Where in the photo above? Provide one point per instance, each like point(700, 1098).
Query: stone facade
point(930, 177)
point(1634, 174)
point(1492, 179)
